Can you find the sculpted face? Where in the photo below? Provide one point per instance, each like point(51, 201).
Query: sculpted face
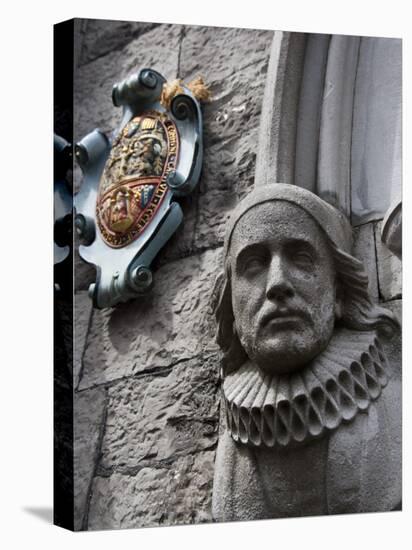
point(283, 286)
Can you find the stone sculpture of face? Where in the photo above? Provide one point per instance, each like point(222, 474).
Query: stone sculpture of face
point(283, 286)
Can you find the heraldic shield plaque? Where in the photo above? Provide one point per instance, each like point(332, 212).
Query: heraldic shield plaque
point(133, 183)
point(125, 210)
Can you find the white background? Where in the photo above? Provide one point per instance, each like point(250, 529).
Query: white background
point(26, 274)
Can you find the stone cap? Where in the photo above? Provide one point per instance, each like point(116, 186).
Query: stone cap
point(332, 221)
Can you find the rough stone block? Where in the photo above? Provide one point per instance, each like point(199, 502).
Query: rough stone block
point(89, 412)
point(99, 37)
point(235, 106)
point(82, 313)
point(219, 52)
point(155, 418)
point(172, 324)
point(229, 173)
point(389, 269)
point(364, 250)
point(169, 494)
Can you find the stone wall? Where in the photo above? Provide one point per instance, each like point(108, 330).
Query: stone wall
point(147, 372)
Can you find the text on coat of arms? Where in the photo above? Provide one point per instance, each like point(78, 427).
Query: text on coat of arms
point(133, 183)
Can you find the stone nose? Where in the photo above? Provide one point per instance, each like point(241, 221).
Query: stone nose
point(278, 284)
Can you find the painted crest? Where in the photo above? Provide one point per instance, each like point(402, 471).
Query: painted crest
point(126, 208)
point(133, 183)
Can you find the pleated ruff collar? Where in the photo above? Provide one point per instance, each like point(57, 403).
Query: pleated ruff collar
point(287, 410)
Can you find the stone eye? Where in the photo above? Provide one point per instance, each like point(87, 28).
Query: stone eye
point(302, 258)
point(253, 264)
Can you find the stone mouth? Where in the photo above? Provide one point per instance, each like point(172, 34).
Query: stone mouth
point(283, 315)
point(280, 410)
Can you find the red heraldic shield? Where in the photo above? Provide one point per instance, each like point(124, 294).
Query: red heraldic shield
point(133, 183)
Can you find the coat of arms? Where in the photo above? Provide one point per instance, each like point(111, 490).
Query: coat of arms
point(131, 180)
point(134, 180)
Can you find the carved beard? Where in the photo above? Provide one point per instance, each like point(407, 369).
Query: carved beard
point(285, 410)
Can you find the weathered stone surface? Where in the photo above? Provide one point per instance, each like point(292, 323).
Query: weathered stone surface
point(364, 250)
point(231, 132)
point(389, 269)
point(220, 51)
point(229, 177)
point(235, 105)
point(174, 323)
point(82, 313)
point(284, 93)
point(89, 413)
point(154, 418)
point(158, 48)
point(231, 121)
point(169, 494)
point(99, 37)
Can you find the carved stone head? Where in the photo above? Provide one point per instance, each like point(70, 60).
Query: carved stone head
point(303, 362)
point(288, 281)
point(283, 286)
